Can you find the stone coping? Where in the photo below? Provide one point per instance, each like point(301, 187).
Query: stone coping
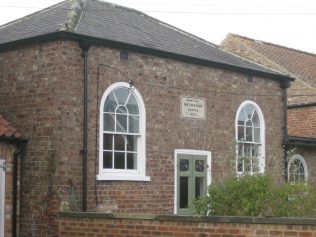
point(211, 219)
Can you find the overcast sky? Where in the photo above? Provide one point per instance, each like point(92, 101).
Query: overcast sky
point(291, 23)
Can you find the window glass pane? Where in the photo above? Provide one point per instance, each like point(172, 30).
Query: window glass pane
point(121, 95)
point(108, 124)
point(296, 171)
point(132, 105)
point(241, 118)
point(241, 136)
point(107, 160)
point(255, 119)
point(132, 161)
point(121, 123)
point(199, 187)
point(119, 160)
point(107, 141)
point(184, 165)
point(119, 142)
point(133, 124)
point(131, 143)
point(257, 134)
point(248, 133)
point(248, 111)
point(199, 165)
point(184, 192)
point(110, 103)
point(121, 110)
point(249, 123)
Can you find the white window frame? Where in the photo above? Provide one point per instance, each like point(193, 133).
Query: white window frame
point(190, 152)
point(302, 160)
point(122, 174)
point(261, 161)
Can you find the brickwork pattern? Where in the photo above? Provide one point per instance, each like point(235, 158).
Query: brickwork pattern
point(42, 88)
point(134, 227)
point(302, 122)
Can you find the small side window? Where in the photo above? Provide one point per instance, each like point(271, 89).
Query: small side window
point(297, 169)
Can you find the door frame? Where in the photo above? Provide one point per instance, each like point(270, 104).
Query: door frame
point(190, 152)
point(2, 196)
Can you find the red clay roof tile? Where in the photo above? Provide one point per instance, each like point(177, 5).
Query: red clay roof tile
point(8, 131)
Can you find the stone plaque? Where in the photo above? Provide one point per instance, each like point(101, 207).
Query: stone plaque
point(192, 108)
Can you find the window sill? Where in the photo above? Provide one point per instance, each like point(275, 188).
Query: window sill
point(122, 177)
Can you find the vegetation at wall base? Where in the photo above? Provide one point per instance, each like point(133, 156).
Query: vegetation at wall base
point(258, 195)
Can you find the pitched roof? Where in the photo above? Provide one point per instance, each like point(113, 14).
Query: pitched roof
point(299, 64)
point(7, 131)
point(112, 23)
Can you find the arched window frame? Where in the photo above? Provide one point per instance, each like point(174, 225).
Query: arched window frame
point(138, 174)
point(261, 158)
point(291, 160)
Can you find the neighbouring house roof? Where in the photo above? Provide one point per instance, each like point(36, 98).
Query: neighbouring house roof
point(7, 131)
point(299, 64)
point(119, 26)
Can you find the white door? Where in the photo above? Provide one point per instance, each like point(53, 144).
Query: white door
point(2, 196)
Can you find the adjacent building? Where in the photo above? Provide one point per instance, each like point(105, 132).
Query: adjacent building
point(301, 139)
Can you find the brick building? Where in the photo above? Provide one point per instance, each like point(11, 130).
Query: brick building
point(11, 143)
point(301, 141)
point(126, 114)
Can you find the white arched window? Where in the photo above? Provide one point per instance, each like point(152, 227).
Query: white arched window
point(122, 134)
point(297, 169)
point(250, 137)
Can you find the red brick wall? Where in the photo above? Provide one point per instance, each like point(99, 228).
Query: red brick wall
point(302, 121)
point(42, 88)
point(129, 226)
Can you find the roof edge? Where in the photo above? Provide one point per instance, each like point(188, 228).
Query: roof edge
point(304, 141)
point(269, 43)
point(305, 105)
point(93, 40)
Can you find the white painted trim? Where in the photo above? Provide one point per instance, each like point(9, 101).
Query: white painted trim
point(191, 152)
point(299, 157)
point(2, 198)
point(140, 173)
point(262, 133)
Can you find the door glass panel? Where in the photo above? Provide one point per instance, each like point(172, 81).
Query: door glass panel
point(184, 165)
point(184, 192)
point(199, 166)
point(199, 187)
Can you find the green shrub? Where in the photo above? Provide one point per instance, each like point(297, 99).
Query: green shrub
point(257, 196)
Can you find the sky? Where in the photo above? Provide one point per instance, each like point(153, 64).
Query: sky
point(290, 23)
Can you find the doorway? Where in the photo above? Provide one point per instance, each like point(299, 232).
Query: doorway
point(192, 177)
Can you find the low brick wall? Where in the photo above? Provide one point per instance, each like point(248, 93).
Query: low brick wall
point(121, 225)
